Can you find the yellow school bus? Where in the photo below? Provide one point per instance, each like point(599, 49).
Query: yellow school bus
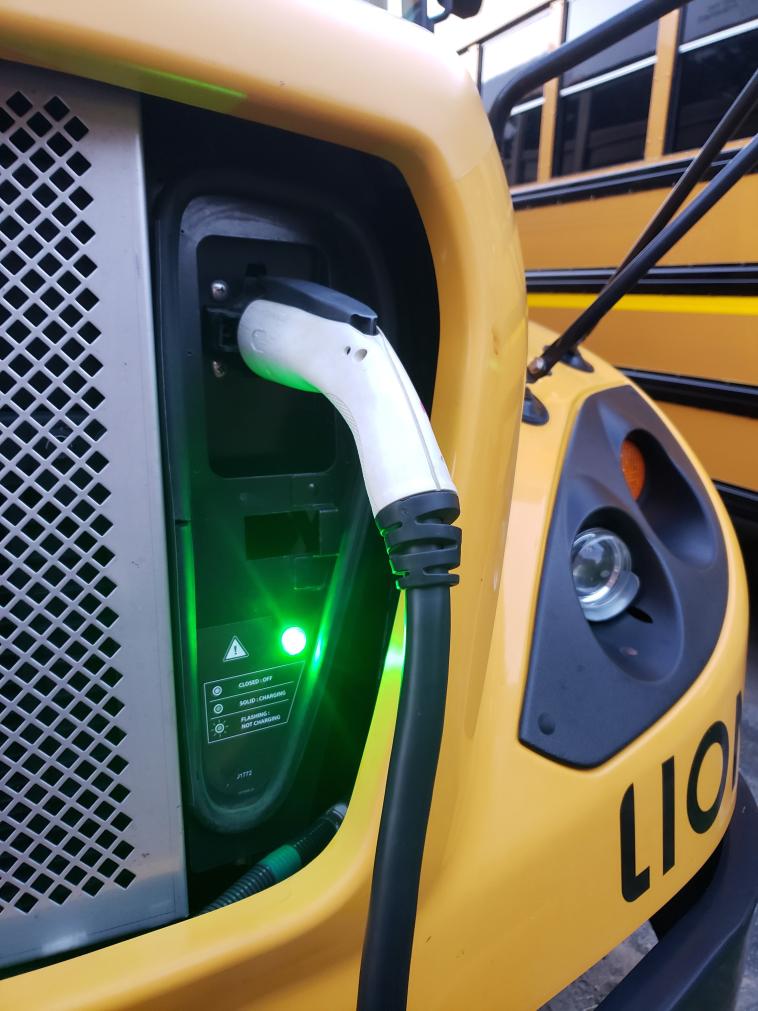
point(589, 158)
point(263, 331)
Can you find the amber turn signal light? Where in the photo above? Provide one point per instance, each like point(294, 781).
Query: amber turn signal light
point(633, 467)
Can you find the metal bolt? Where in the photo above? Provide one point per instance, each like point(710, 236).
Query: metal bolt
point(219, 368)
point(219, 291)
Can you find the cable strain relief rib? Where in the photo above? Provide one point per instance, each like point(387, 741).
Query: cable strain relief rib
point(421, 543)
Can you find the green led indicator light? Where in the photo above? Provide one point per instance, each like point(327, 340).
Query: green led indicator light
point(293, 640)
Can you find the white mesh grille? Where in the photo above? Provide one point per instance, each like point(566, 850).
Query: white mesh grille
point(90, 832)
point(63, 825)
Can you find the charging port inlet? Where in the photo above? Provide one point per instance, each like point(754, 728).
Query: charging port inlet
point(220, 329)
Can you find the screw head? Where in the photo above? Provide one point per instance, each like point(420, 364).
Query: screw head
point(219, 291)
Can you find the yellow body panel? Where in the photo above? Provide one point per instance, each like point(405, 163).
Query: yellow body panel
point(518, 846)
point(705, 336)
point(577, 233)
point(709, 336)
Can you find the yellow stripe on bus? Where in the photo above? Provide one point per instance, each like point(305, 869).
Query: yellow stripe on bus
point(714, 305)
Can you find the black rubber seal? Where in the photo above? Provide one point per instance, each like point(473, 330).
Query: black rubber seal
point(693, 391)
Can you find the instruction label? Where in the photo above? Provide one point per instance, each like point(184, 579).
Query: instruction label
point(247, 703)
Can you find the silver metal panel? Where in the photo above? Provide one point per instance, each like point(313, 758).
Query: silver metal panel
point(90, 827)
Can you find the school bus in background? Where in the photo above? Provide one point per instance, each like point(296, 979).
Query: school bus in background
point(590, 157)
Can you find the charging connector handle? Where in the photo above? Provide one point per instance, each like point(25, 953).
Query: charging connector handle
point(305, 336)
point(298, 345)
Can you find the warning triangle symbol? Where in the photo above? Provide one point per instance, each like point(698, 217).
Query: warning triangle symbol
point(235, 650)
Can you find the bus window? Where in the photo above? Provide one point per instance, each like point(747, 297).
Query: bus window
point(603, 122)
point(584, 15)
point(500, 54)
point(716, 57)
point(704, 17)
point(604, 102)
point(521, 142)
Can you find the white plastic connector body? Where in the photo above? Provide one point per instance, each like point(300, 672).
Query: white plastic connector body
point(364, 379)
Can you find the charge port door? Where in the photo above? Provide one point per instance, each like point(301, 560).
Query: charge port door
point(273, 538)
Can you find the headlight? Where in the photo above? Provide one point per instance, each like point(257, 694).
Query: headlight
point(601, 566)
point(633, 538)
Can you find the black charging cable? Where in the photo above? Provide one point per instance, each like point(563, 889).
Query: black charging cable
point(422, 548)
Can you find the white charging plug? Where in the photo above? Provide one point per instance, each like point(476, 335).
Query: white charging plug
point(364, 379)
point(309, 337)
